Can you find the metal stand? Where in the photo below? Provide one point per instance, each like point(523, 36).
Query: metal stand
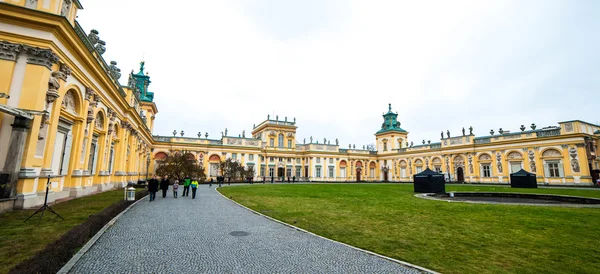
point(45, 206)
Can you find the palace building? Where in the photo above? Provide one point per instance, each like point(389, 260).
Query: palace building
point(66, 120)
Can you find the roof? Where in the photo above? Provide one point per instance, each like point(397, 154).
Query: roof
point(390, 122)
point(522, 172)
point(428, 172)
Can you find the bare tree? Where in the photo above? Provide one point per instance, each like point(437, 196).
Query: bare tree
point(179, 166)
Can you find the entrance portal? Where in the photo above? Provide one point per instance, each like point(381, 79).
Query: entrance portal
point(358, 173)
point(280, 172)
point(385, 176)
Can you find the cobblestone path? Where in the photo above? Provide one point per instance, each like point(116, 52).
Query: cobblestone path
point(210, 234)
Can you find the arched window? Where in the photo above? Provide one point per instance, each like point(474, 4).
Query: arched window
point(280, 140)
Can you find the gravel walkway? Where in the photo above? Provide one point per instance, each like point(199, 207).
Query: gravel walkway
point(210, 234)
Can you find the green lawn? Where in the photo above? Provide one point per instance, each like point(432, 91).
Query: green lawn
point(19, 241)
point(446, 237)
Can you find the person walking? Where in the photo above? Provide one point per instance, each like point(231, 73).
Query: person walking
point(194, 185)
point(153, 187)
point(210, 182)
point(294, 179)
point(263, 180)
point(175, 188)
point(186, 186)
point(229, 180)
point(288, 179)
point(272, 179)
point(164, 185)
point(220, 180)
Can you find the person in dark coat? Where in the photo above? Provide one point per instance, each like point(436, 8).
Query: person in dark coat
point(164, 185)
point(272, 179)
point(263, 180)
point(288, 179)
point(210, 182)
point(229, 180)
point(153, 187)
point(294, 179)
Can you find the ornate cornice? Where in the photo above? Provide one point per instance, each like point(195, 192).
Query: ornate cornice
point(9, 51)
point(39, 56)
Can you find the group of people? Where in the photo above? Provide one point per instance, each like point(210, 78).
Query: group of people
point(154, 185)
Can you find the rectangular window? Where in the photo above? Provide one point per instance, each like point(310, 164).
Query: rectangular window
point(343, 172)
point(289, 160)
point(288, 172)
point(262, 171)
point(318, 160)
point(331, 160)
point(553, 169)
point(289, 143)
point(403, 172)
point(92, 155)
point(298, 171)
point(251, 157)
point(234, 156)
point(271, 172)
point(270, 159)
point(318, 169)
point(331, 172)
point(384, 146)
point(486, 171)
point(298, 161)
point(372, 173)
point(272, 142)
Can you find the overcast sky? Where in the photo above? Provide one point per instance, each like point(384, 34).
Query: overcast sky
point(335, 65)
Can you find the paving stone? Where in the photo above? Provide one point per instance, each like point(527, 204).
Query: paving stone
point(186, 235)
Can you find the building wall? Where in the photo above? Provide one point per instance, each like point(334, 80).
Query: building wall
point(92, 138)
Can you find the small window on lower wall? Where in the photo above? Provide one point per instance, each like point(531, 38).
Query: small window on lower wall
point(486, 171)
point(553, 169)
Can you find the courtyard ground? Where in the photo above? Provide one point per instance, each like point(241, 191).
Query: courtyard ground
point(443, 236)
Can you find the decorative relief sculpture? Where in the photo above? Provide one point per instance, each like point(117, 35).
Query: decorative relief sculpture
point(9, 51)
point(53, 86)
point(99, 121)
point(470, 163)
point(485, 157)
point(551, 153)
point(65, 71)
point(569, 127)
point(89, 94)
point(38, 56)
point(499, 161)
point(514, 155)
point(574, 161)
point(66, 7)
point(69, 102)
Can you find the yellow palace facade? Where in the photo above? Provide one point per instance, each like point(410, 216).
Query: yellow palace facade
point(64, 117)
point(558, 155)
point(66, 120)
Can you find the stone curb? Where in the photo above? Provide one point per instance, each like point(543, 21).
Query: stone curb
point(426, 196)
point(71, 263)
point(319, 236)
